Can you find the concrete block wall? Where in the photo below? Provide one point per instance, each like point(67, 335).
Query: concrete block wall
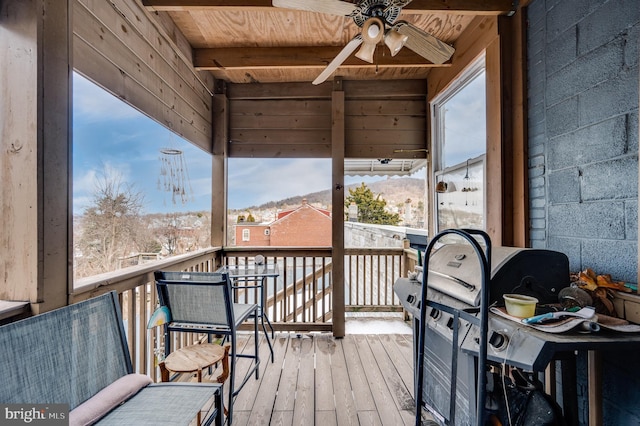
point(583, 132)
point(583, 80)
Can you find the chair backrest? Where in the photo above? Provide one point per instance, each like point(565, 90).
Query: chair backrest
point(64, 356)
point(196, 297)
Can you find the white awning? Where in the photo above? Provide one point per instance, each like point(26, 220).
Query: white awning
point(383, 167)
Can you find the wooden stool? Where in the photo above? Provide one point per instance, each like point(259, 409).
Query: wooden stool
point(195, 358)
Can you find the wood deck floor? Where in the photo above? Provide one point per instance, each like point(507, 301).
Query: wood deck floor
point(316, 379)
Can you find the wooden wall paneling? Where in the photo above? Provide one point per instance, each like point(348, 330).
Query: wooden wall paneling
point(380, 138)
point(337, 201)
point(384, 89)
point(377, 128)
point(386, 122)
point(384, 142)
point(35, 117)
point(299, 122)
point(279, 91)
point(219, 166)
point(299, 137)
point(166, 40)
point(280, 128)
point(406, 107)
point(136, 95)
point(163, 36)
point(477, 36)
point(257, 150)
point(174, 44)
point(106, 38)
point(125, 48)
point(281, 107)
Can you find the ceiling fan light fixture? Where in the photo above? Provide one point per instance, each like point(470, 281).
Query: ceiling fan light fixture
point(366, 52)
point(395, 41)
point(373, 30)
point(372, 34)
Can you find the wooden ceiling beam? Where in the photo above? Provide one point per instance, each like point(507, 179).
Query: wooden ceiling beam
point(297, 57)
point(473, 7)
point(463, 7)
point(190, 5)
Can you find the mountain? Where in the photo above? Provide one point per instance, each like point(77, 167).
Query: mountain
point(395, 191)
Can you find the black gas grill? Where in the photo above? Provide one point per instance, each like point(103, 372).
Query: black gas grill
point(454, 280)
point(450, 383)
point(455, 285)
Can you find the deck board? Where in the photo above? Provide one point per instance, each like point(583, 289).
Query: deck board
point(345, 405)
point(363, 398)
point(384, 400)
point(304, 403)
point(317, 379)
point(325, 345)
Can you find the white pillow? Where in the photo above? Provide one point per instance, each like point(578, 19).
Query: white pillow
point(94, 408)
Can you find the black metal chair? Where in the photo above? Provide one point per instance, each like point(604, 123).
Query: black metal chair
point(202, 302)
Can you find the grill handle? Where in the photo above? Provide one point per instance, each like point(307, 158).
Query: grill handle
point(485, 262)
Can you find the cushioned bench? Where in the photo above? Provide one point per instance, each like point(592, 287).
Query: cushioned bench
point(78, 355)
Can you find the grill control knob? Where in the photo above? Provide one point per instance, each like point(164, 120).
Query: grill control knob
point(450, 323)
point(498, 340)
point(435, 313)
point(411, 298)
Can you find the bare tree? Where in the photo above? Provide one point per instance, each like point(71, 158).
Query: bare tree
point(111, 224)
point(169, 234)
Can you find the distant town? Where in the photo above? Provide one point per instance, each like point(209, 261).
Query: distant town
point(154, 236)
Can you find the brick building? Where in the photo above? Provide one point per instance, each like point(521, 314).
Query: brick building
point(305, 226)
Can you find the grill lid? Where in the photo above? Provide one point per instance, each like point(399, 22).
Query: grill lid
point(454, 269)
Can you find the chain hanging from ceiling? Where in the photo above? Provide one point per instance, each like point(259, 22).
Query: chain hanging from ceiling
point(174, 175)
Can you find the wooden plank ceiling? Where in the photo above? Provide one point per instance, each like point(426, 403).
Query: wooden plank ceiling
point(252, 41)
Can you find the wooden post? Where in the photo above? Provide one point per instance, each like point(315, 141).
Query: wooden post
point(494, 179)
point(35, 133)
point(337, 199)
point(219, 168)
point(594, 374)
point(515, 211)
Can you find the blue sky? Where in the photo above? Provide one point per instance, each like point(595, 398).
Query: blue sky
point(112, 137)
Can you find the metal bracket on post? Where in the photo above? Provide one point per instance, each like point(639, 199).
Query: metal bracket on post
point(514, 8)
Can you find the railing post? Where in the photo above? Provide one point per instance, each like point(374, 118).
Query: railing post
point(409, 263)
point(337, 199)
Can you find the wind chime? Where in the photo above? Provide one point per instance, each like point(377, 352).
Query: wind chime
point(174, 175)
point(466, 187)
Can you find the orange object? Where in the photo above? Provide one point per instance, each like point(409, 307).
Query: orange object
point(587, 279)
point(606, 282)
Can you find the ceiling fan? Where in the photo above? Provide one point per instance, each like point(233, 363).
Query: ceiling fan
point(378, 20)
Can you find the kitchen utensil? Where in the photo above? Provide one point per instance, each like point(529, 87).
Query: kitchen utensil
point(586, 313)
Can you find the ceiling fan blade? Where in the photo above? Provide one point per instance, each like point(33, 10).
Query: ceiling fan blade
point(331, 7)
point(424, 44)
point(339, 59)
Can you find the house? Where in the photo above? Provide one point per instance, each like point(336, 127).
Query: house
point(305, 226)
point(234, 78)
